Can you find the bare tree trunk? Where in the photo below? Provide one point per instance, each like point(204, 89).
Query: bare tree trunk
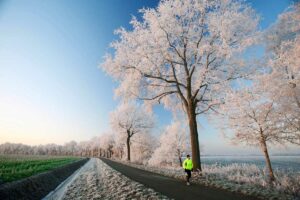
point(295, 96)
point(267, 158)
point(180, 161)
point(179, 157)
point(271, 174)
point(194, 138)
point(128, 148)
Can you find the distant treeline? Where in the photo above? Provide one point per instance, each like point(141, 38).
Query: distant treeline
point(71, 148)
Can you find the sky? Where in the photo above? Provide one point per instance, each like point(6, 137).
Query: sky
point(51, 87)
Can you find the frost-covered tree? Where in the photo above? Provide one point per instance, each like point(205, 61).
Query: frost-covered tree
point(39, 150)
point(142, 147)
point(52, 149)
point(107, 143)
point(283, 75)
point(16, 148)
point(173, 143)
point(93, 144)
point(84, 148)
point(252, 120)
point(131, 119)
point(284, 84)
point(183, 54)
point(120, 145)
point(70, 148)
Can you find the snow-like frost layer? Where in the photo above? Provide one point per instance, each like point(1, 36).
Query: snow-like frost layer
point(99, 181)
point(242, 178)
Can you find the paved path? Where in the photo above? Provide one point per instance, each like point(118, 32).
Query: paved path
point(174, 188)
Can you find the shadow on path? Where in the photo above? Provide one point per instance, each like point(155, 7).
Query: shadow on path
point(174, 188)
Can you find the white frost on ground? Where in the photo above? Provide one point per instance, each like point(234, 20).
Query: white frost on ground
point(96, 180)
point(241, 178)
point(61, 189)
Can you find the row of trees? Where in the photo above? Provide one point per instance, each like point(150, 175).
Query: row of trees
point(191, 56)
point(72, 148)
point(130, 138)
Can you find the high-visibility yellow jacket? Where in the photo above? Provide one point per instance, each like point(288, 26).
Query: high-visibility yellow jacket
point(187, 164)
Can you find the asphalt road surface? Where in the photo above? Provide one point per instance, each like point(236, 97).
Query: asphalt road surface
point(174, 188)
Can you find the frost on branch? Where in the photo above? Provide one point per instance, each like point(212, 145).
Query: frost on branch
point(286, 28)
point(173, 144)
point(283, 77)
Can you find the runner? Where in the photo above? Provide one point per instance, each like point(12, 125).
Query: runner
point(188, 167)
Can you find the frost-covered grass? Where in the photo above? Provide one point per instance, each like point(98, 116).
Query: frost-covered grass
point(242, 178)
point(249, 179)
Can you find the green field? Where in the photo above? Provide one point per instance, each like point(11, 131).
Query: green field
point(15, 167)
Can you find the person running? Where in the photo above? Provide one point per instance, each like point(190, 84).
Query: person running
point(188, 167)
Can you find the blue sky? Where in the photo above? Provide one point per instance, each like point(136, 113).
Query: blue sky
point(51, 89)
